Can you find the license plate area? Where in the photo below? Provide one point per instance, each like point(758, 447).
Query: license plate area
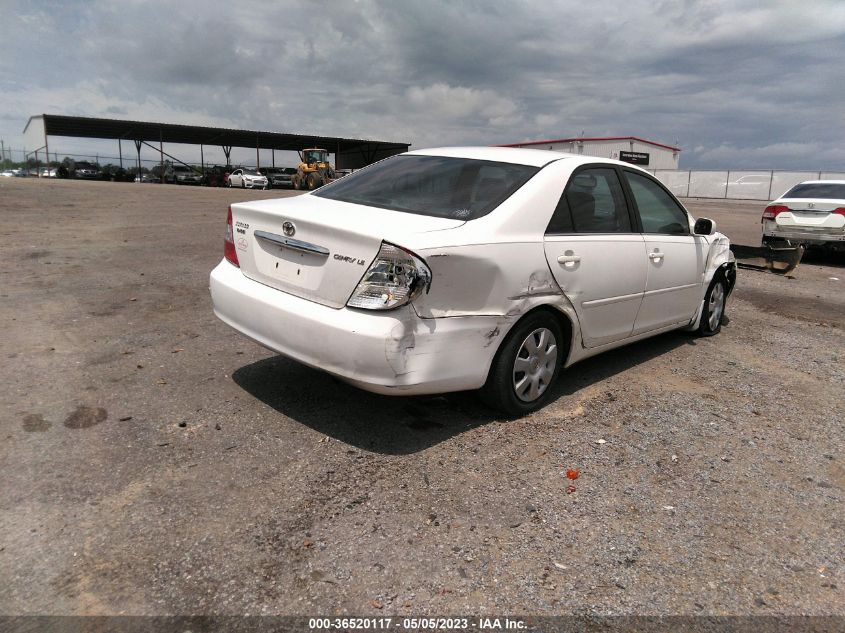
point(289, 267)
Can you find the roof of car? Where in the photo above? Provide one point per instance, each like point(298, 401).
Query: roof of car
point(517, 155)
point(822, 182)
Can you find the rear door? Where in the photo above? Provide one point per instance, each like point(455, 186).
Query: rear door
point(596, 255)
point(676, 259)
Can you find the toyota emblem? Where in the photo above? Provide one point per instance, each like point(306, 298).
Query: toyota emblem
point(288, 229)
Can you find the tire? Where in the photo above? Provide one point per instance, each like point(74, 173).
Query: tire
point(713, 311)
point(314, 181)
point(526, 366)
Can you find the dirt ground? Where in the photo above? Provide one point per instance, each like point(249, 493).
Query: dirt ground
point(156, 462)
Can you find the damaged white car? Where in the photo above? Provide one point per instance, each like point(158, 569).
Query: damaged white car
point(470, 268)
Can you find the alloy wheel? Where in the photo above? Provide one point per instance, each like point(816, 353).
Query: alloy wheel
point(534, 365)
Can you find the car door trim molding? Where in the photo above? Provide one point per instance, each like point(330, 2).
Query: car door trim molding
point(660, 291)
point(288, 242)
point(595, 303)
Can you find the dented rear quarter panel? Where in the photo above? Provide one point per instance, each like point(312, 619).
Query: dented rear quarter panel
point(496, 265)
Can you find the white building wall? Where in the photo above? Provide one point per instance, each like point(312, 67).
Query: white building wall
point(659, 157)
point(33, 135)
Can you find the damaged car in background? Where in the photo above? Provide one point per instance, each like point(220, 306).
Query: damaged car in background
point(470, 268)
point(811, 213)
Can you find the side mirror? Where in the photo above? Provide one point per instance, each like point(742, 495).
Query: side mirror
point(704, 226)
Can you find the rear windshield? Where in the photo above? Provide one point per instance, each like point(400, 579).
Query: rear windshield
point(440, 186)
point(817, 190)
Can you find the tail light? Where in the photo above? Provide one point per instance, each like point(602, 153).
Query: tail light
point(229, 251)
point(773, 210)
point(839, 211)
point(396, 277)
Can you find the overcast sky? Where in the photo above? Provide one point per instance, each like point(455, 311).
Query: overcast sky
point(743, 84)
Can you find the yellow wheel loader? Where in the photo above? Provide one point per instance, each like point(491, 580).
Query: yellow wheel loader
point(314, 169)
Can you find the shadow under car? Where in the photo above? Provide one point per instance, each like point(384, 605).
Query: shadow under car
point(401, 425)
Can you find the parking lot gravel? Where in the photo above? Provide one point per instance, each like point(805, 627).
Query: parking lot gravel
point(156, 462)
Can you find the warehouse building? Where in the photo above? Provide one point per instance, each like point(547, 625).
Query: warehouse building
point(630, 149)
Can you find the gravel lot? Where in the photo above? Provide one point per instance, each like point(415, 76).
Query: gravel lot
point(156, 462)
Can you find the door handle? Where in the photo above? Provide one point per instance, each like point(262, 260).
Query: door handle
point(655, 255)
point(568, 259)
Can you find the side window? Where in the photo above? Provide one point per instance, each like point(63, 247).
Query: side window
point(561, 222)
point(595, 203)
point(659, 213)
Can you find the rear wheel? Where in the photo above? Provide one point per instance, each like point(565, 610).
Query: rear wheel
point(714, 308)
point(526, 366)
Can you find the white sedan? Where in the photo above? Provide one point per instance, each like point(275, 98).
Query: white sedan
point(470, 268)
point(247, 179)
point(811, 213)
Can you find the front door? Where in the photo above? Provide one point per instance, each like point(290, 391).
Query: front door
point(676, 258)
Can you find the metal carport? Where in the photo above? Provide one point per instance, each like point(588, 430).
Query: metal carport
point(349, 153)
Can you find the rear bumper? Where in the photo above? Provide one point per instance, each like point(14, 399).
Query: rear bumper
point(805, 237)
point(393, 352)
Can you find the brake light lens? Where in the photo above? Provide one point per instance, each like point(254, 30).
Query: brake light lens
point(839, 211)
point(395, 278)
point(229, 251)
point(773, 210)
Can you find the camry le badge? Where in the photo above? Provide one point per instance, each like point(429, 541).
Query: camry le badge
point(288, 229)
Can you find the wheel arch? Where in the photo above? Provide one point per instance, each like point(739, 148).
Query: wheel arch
point(560, 313)
point(727, 271)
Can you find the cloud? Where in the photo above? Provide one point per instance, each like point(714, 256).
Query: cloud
point(738, 78)
point(458, 103)
point(794, 155)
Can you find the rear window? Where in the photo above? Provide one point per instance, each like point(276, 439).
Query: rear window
point(832, 191)
point(439, 186)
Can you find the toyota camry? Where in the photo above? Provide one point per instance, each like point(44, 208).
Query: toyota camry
point(470, 268)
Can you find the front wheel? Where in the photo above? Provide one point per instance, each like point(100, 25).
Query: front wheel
point(526, 366)
point(714, 308)
point(313, 181)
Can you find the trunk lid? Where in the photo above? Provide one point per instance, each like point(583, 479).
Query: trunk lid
point(318, 249)
point(811, 213)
